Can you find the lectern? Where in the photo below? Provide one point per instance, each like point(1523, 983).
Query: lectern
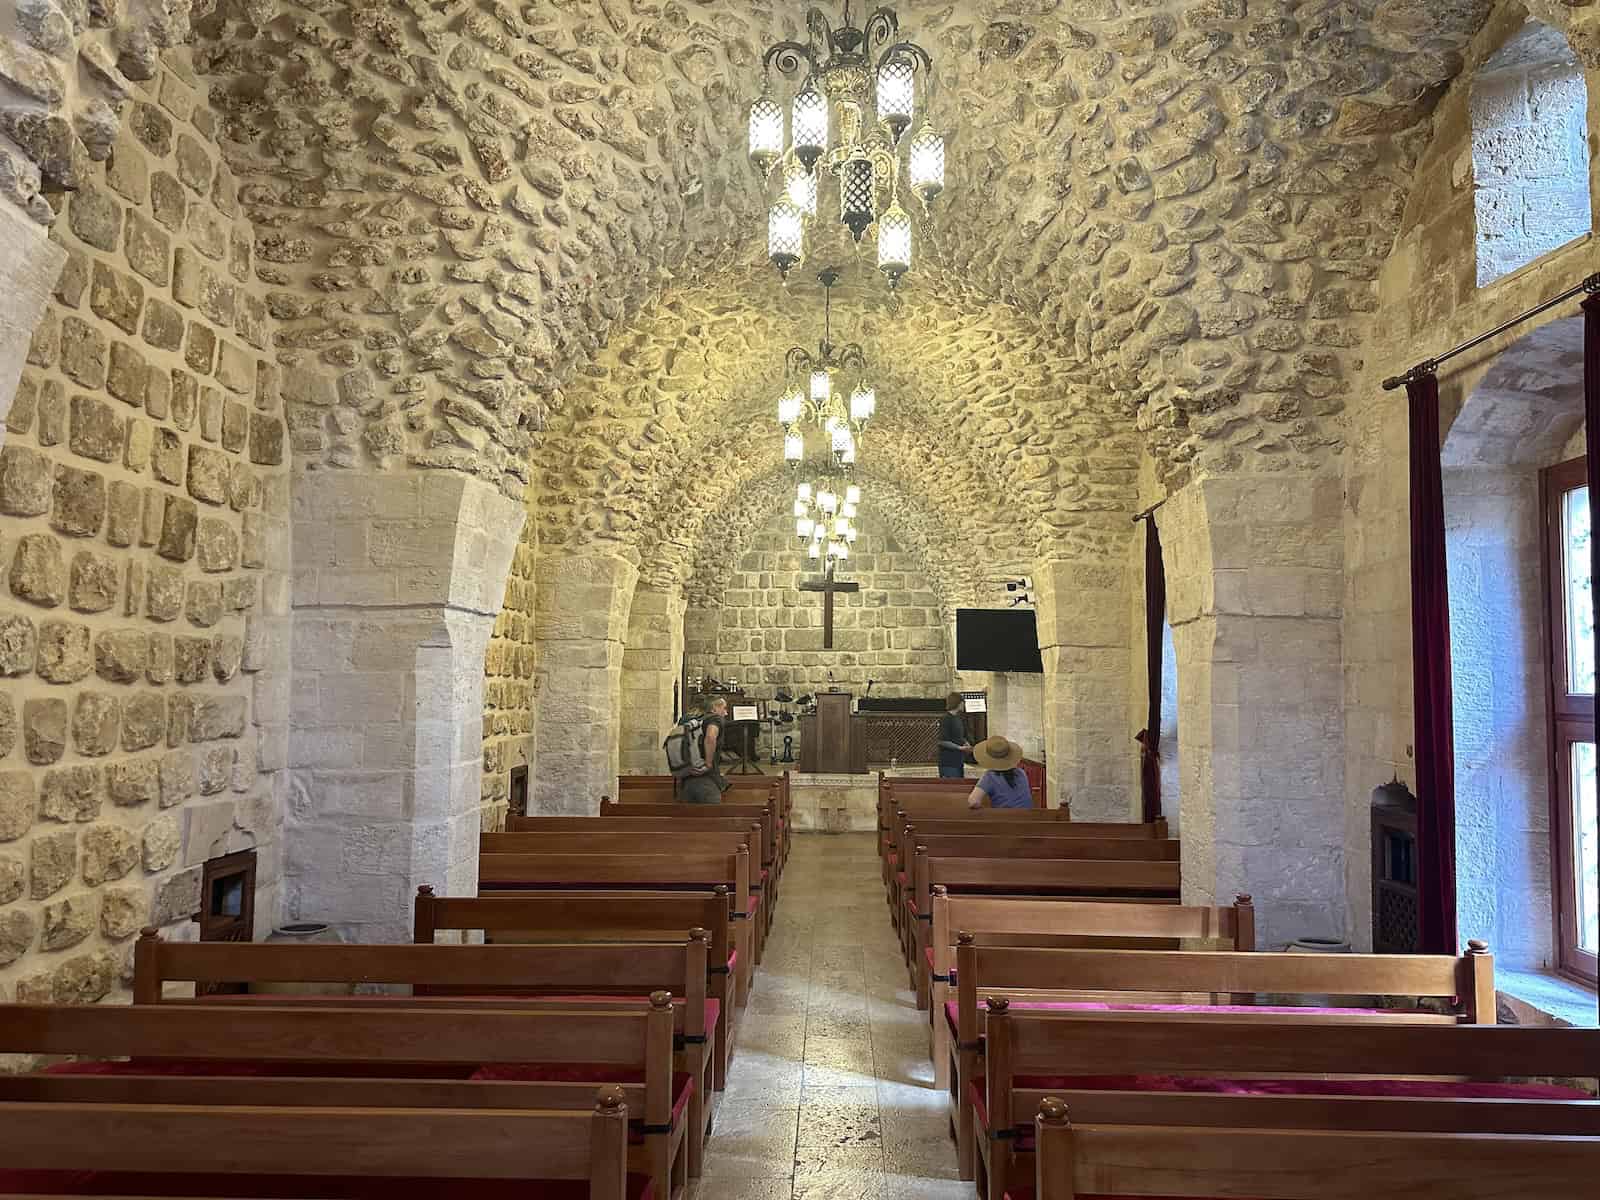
point(827, 738)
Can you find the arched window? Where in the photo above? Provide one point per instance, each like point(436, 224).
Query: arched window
point(1530, 153)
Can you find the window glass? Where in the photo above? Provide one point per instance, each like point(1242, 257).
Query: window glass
point(1580, 607)
point(1586, 848)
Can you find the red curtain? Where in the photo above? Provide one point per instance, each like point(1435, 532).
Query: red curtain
point(1431, 688)
point(1155, 617)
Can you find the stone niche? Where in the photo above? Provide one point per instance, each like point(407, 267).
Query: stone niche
point(769, 633)
point(143, 563)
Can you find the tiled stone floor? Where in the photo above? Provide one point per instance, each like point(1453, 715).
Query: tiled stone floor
point(831, 1094)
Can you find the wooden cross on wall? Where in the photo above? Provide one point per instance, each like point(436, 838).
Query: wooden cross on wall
point(828, 585)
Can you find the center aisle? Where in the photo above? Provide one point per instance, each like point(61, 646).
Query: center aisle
point(831, 1093)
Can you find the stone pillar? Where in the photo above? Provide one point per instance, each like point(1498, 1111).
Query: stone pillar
point(398, 579)
point(1254, 575)
point(581, 623)
point(1083, 638)
point(29, 265)
point(651, 662)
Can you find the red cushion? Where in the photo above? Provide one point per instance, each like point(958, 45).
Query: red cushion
point(754, 906)
point(257, 1067)
point(951, 1008)
point(733, 963)
point(901, 876)
point(335, 1187)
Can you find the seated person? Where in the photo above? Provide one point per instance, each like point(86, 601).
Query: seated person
point(1003, 783)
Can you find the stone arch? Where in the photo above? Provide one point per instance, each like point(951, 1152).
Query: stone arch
point(1530, 151)
point(1522, 411)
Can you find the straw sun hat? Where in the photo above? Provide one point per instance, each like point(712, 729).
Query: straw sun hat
point(997, 754)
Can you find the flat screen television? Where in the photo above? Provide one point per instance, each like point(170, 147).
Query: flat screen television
point(997, 639)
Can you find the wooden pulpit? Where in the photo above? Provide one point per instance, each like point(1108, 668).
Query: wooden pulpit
point(827, 739)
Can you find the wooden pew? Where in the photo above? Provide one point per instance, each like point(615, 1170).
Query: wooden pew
point(317, 1116)
point(742, 789)
point(454, 978)
point(773, 850)
point(916, 846)
point(601, 916)
point(1062, 924)
point(636, 872)
point(1341, 1111)
point(601, 837)
point(1087, 879)
point(1093, 979)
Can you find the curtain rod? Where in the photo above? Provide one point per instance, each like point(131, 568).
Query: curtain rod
point(1147, 513)
point(1430, 366)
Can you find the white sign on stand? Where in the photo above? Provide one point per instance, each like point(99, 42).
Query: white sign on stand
point(977, 704)
point(746, 712)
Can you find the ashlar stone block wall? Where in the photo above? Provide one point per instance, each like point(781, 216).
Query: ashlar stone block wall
point(769, 633)
point(1428, 298)
point(143, 544)
point(652, 664)
point(1530, 152)
point(508, 685)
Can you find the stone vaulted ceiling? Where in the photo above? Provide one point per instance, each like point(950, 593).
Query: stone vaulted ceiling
point(492, 229)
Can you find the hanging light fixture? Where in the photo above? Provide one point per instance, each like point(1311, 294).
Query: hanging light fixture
point(812, 393)
point(858, 98)
point(825, 519)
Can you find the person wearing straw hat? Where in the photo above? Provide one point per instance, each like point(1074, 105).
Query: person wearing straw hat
point(1003, 785)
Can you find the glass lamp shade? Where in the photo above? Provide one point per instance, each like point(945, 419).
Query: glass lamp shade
point(863, 403)
point(789, 406)
point(794, 447)
point(851, 536)
point(841, 526)
point(809, 115)
point(857, 196)
point(926, 162)
point(896, 96)
point(803, 492)
point(848, 510)
point(840, 550)
point(815, 550)
point(843, 440)
point(852, 494)
point(821, 387)
point(803, 527)
point(827, 501)
point(894, 243)
point(848, 458)
point(801, 508)
point(766, 133)
point(800, 188)
point(786, 236)
point(817, 530)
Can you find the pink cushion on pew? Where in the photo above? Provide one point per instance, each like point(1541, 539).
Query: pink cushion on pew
point(733, 963)
point(754, 905)
point(287, 1187)
point(901, 876)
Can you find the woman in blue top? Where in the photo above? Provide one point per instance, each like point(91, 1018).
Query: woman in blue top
point(1003, 784)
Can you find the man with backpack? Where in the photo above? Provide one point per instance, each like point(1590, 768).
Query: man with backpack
point(692, 755)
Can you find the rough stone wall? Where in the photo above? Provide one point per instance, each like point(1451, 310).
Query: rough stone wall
point(144, 487)
point(1428, 299)
point(508, 690)
point(1530, 151)
point(770, 633)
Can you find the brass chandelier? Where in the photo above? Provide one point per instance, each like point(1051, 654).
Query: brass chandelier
point(814, 394)
point(847, 121)
point(824, 519)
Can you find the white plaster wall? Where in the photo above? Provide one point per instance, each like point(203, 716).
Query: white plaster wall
point(1497, 631)
point(29, 265)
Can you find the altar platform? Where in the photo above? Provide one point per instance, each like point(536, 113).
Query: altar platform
point(837, 803)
